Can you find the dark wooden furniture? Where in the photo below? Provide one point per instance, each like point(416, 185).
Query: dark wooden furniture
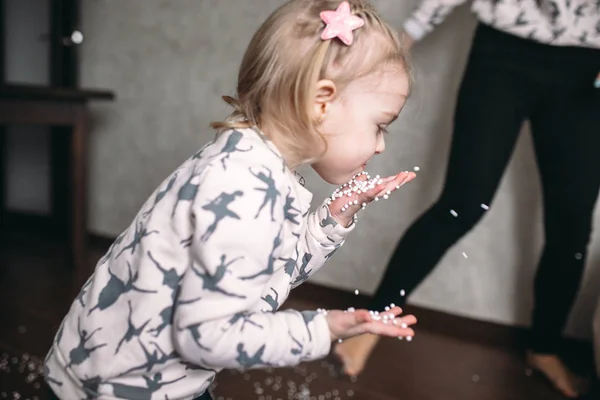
point(34, 105)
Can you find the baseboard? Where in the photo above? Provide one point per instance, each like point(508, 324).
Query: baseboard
point(449, 325)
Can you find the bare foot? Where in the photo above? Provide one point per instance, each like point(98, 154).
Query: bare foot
point(354, 352)
point(556, 372)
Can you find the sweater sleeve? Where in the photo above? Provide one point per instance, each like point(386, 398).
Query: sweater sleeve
point(428, 15)
point(239, 228)
point(322, 238)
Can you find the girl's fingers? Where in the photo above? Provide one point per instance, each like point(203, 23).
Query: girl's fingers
point(405, 178)
point(397, 182)
point(361, 317)
point(394, 183)
point(408, 320)
point(395, 311)
point(388, 330)
point(386, 323)
point(347, 205)
point(402, 322)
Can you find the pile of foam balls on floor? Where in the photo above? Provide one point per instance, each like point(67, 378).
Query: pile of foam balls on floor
point(30, 371)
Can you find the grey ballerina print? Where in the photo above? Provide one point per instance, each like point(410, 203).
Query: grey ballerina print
point(49, 379)
point(162, 193)
point(328, 220)
point(198, 155)
point(115, 288)
point(188, 191)
point(132, 330)
point(290, 213)
point(270, 190)
point(220, 210)
point(81, 353)
point(248, 361)
point(289, 267)
point(580, 12)
point(140, 233)
point(303, 274)
point(211, 281)
point(247, 319)
point(171, 280)
point(270, 268)
point(153, 385)
point(194, 331)
point(83, 291)
point(231, 147)
point(157, 357)
point(308, 317)
point(112, 248)
point(90, 387)
point(299, 348)
point(273, 302)
point(332, 252)
point(187, 242)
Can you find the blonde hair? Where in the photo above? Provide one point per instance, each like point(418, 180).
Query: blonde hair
point(286, 58)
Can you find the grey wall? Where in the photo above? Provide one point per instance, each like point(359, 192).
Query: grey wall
point(27, 147)
point(169, 62)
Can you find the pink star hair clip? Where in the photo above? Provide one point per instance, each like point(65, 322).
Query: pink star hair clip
point(340, 23)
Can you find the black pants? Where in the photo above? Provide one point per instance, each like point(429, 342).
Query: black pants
point(507, 81)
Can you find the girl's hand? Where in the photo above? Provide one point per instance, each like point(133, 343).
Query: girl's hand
point(346, 324)
point(363, 190)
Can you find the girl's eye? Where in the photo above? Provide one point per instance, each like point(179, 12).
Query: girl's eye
point(382, 129)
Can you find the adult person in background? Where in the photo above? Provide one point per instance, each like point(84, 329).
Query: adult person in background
point(530, 60)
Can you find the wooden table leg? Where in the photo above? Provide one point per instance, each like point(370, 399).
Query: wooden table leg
point(82, 269)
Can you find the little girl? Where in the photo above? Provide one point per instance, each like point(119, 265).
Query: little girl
point(194, 284)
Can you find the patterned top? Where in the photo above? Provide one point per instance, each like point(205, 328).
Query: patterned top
point(194, 283)
point(555, 22)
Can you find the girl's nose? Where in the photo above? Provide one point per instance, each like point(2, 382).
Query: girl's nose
point(380, 148)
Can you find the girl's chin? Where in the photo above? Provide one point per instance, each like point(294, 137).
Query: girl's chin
point(338, 179)
point(344, 179)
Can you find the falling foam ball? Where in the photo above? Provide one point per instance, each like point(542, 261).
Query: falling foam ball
point(402, 292)
point(485, 206)
point(416, 168)
point(454, 213)
point(475, 378)
point(464, 255)
point(356, 292)
point(77, 37)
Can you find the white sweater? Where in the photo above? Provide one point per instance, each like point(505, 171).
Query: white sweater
point(194, 283)
point(555, 22)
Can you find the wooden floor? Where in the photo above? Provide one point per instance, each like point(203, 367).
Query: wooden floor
point(450, 358)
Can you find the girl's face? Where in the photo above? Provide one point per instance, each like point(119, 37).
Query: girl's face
point(356, 121)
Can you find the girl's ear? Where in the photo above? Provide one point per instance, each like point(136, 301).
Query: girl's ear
point(324, 95)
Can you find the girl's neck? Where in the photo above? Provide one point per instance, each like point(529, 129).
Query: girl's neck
point(291, 161)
